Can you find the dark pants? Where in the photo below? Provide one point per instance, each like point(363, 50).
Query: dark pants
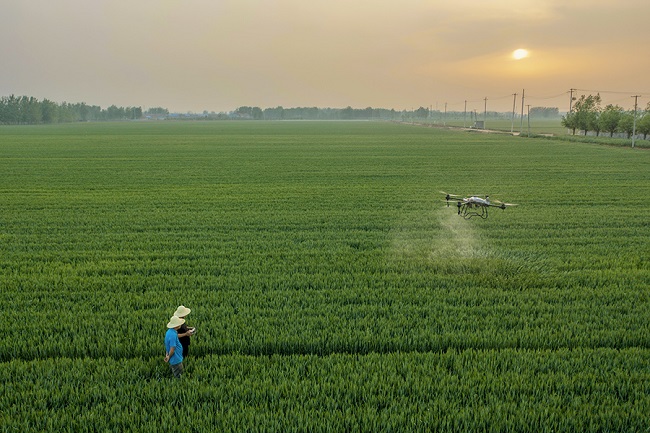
point(177, 370)
point(186, 351)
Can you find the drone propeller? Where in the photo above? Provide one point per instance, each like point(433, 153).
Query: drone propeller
point(503, 205)
point(450, 195)
point(507, 204)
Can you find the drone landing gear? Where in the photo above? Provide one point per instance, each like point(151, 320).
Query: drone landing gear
point(468, 211)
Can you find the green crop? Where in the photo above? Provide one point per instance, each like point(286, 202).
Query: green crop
point(331, 287)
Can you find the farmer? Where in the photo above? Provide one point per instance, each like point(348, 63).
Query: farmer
point(184, 332)
point(173, 347)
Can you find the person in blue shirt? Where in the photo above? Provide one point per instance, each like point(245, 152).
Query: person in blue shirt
point(173, 347)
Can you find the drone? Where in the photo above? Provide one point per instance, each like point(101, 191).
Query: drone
point(472, 206)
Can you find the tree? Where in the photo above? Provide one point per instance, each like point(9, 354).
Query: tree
point(257, 113)
point(276, 113)
point(570, 121)
point(50, 111)
point(546, 112)
point(422, 113)
point(116, 113)
point(157, 110)
point(643, 124)
point(67, 112)
point(30, 110)
point(246, 112)
point(347, 113)
point(10, 110)
point(609, 118)
point(587, 111)
point(133, 112)
point(626, 123)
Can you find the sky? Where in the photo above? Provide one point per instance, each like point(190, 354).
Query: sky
point(217, 55)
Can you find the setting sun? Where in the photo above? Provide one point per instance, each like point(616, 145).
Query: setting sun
point(519, 54)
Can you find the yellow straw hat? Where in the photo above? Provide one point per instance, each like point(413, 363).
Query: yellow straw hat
point(182, 311)
point(175, 321)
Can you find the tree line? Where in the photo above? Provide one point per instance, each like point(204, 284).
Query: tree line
point(17, 110)
point(316, 113)
point(369, 113)
point(587, 115)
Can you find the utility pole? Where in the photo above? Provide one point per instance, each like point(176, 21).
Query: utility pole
point(521, 125)
point(465, 114)
point(571, 101)
point(528, 118)
point(514, 103)
point(485, 114)
point(444, 123)
point(636, 99)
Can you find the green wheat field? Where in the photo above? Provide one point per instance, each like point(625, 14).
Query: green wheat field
point(331, 287)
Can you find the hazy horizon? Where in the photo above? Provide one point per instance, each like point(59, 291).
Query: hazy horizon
point(217, 55)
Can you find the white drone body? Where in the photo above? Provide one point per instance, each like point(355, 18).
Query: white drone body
point(474, 205)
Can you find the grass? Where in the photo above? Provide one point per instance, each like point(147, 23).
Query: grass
point(541, 128)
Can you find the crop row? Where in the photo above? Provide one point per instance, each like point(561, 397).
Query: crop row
point(97, 321)
point(471, 390)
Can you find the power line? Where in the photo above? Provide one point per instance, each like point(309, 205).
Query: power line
point(613, 101)
point(550, 97)
point(613, 91)
point(619, 99)
point(500, 97)
point(572, 92)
